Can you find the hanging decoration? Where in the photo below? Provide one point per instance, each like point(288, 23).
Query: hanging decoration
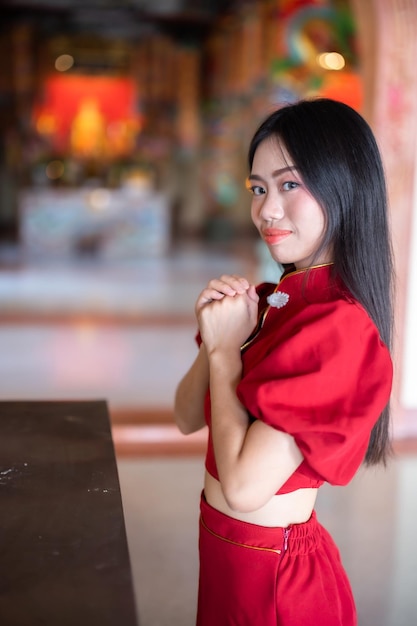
point(316, 52)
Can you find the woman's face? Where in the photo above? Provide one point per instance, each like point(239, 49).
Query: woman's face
point(288, 218)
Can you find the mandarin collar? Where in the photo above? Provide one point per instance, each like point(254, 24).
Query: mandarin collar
point(311, 283)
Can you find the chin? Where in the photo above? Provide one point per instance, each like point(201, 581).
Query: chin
point(281, 259)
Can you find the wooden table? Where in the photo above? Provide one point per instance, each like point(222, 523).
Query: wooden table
point(63, 551)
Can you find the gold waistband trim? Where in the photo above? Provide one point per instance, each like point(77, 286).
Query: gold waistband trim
point(235, 543)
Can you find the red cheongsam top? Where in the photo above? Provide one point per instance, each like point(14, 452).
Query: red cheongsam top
point(316, 368)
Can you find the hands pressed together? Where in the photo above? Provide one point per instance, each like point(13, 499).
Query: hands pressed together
point(227, 311)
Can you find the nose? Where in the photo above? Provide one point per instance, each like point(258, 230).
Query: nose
point(271, 208)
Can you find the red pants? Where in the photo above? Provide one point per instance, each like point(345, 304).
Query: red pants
point(258, 576)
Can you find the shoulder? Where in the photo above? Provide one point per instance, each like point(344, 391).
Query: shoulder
point(326, 325)
point(341, 319)
point(321, 323)
point(338, 339)
point(326, 358)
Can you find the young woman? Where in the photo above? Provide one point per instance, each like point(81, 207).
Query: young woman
point(293, 379)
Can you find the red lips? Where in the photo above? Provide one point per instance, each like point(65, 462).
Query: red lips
point(273, 236)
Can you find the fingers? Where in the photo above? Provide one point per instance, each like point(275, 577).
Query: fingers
point(229, 285)
point(253, 294)
point(218, 288)
point(226, 285)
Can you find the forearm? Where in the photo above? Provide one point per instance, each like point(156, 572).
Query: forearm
point(190, 395)
point(229, 419)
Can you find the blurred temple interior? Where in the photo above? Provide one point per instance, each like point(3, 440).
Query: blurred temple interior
point(124, 127)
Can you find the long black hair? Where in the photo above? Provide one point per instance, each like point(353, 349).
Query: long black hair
point(337, 156)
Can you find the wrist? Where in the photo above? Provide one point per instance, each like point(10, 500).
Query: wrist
point(225, 364)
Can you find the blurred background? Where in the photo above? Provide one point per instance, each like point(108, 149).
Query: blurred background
point(124, 126)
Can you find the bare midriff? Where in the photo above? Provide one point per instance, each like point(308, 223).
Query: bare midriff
point(281, 510)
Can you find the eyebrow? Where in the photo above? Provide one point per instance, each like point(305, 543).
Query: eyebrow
point(276, 173)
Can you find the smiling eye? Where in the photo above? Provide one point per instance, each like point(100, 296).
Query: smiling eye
point(256, 190)
point(287, 186)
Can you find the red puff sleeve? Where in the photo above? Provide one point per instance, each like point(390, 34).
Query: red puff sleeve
point(325, 383)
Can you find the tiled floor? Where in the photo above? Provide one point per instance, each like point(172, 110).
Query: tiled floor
point(125, 332)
